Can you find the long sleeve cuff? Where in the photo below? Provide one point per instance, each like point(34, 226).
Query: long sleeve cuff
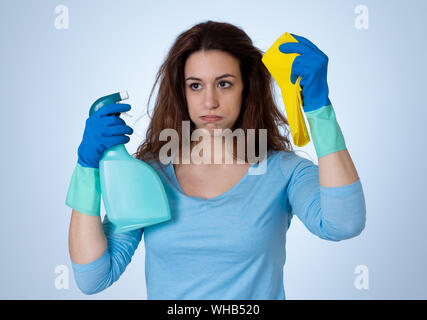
point(88, 276)
point(343, 210)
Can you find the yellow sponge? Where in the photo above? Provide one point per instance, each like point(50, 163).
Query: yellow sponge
point(280, 66)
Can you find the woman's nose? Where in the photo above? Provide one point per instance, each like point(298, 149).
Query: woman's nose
point(211, 98)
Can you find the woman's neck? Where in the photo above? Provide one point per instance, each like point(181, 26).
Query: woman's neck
point(221, 152)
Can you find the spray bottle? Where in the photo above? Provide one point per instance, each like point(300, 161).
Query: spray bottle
point(132, 192)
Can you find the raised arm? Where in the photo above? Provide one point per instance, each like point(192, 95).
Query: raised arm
point(101, 273)
point(332, 213)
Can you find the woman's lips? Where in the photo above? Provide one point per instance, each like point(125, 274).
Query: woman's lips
point(211, 118)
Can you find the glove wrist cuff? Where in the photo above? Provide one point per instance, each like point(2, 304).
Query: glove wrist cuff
point(325, 131)
point(84, 192)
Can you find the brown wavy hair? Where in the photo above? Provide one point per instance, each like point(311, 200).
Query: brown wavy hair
point(258, 110)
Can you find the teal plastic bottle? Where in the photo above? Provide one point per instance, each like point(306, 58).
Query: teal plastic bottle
point(132, 192)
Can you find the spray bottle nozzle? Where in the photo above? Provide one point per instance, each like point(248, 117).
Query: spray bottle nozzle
point(123, 96)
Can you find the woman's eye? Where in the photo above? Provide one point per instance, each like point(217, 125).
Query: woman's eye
point(229, 84)
point(194, 84)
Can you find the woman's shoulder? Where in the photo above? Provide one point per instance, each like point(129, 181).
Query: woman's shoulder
point(292, 160)
point(153, 161)
point(295, 155)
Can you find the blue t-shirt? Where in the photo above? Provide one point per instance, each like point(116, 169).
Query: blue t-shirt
point(231, 246)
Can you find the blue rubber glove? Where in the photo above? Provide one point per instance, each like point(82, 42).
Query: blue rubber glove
point(103, 130)
point(311, 65)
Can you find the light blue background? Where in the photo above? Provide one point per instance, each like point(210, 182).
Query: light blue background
point(50, 77)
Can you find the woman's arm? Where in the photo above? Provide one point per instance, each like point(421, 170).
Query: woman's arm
point(93, 274)
point(337, 169)
point(86, 240)
point(332, 213)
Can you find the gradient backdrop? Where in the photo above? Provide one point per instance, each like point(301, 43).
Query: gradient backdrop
point(50, 76)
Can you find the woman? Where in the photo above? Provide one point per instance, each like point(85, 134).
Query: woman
point(227, 235)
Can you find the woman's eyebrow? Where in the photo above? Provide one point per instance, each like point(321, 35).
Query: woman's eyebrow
point(220, 77)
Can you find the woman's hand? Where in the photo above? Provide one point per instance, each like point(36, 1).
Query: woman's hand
point(311, 65)
point(103, 130)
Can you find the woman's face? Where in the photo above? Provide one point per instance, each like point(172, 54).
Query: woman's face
point(213, 86)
